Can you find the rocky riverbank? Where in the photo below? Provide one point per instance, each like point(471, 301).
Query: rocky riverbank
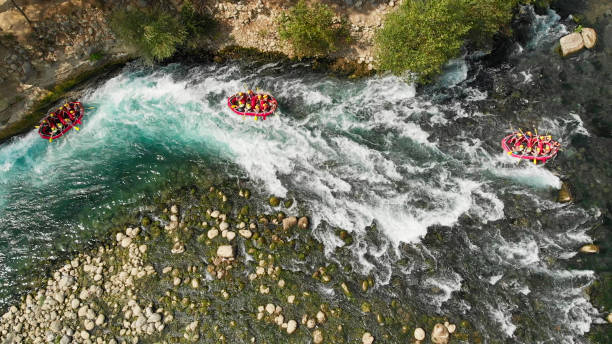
point(203, 266)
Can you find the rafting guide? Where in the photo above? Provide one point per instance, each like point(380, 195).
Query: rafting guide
point(530, 147)
point(252, 104)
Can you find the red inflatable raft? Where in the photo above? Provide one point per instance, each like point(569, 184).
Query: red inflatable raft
point(60, 121)
point(526, 146)
point(252, 104)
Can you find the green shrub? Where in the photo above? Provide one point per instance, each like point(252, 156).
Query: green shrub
point(195, 24)
point(155, 35)
point(312, 31)
point(421, 36)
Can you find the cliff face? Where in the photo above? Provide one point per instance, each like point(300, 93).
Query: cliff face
point(70, 37)
point(56, 46)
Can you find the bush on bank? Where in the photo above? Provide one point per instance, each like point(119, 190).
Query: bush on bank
point(421, 36)
point(312, 30)
point(157, 34)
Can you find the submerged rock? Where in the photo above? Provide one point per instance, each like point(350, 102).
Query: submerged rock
point(440, 334)
point(589, 37)
point(571, 43)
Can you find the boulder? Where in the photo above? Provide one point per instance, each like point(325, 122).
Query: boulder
point(225, 251)
point(589, 37)
point(589, 249)
point(564, 194)
point(317, 336)
point(609, 318)
point(303, 222)
point(367, 338)
point(419, 334)
point(571, 43)
point(245, 233)
point(211, 234)
point(289, 222)
point(440, 334)
point(291, 326)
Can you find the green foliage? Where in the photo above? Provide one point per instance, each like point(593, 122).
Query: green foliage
point(95, 56)
point(421, 36)
point(578, 29)
point(312, 31)
point(195, 24)
point(155, 35)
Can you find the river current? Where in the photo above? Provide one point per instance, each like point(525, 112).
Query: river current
point(354, 153)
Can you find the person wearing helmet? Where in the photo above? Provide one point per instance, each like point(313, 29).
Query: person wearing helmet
point(257, 108)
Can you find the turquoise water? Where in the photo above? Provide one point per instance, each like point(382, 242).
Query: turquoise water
point(354, 153)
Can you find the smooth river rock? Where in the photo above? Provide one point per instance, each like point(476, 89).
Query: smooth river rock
point(589, 249)
point(440, 334)
point(225, 251)
point(367, 338)
point(289, 222)
point(589, 37)
point(419, 334)
point(571, 43)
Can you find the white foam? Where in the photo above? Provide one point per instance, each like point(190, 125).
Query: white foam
point(503, 317)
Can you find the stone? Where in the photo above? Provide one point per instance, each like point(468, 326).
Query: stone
point(291, 298)
point(195, 284)
point(174, 209)
point(153, 318)
point(230, 235)
point(588, 36)
point(270, 308)
point(311, 323)
point(451, 328)
point(321, 317)
point(65, 340)
point(225, 251)
point(223, 226)
point(84, 334)
point(75, 303)
point(56, 326)
point(289, 222)
point(212, 233)
point(166, 270)
point(419, 334)
point(125, 242)
point(291, 326)
point(317, 336)
point(589, 249)
point(100, 319)
point(440, 334)
point(245, 233)
point(367, 338)
point(178, 248)
point(215, 214)
point(88, 324)
point(176, 281)
point(564, 194)
point(571, 43)
point(303, 222)
point(609, 318)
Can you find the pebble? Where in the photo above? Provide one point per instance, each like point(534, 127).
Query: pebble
point(74, 304)
point(245, 233)
point(291, 326)
point(321, 317)
point(289, 222)
point(230, 235)
point(215, 214)
point(317, 336)
point(212, 233)
point(125, 242)
point(367, 338)
point(223, 226)
point(88, 324)
point(291, 298)
point(419, 334)
point(225, 251)
point(270, 308)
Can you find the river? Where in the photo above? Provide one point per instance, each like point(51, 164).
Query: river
point(468, 231)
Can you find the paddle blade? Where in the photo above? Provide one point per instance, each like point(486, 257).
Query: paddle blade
point(50, 139)
point(38, 126)
point(77, 128)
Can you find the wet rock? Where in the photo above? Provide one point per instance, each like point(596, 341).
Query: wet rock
point(450, 327)
point(571, 43)
point(591, 248)
point(289, 222)
point(303, 222)
point(317, 337)
point(223, 226)
point(174, 209)
point(291, 326)
point(609, 318)
point(178, 248)
point(589, 37)
point(367, 338)
point(125, 242)
point(440, 334)
point(419, 334)
point(225, 251)
point(212, 233)
point(564, 194)
point(245, 233)
point(321, 317)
